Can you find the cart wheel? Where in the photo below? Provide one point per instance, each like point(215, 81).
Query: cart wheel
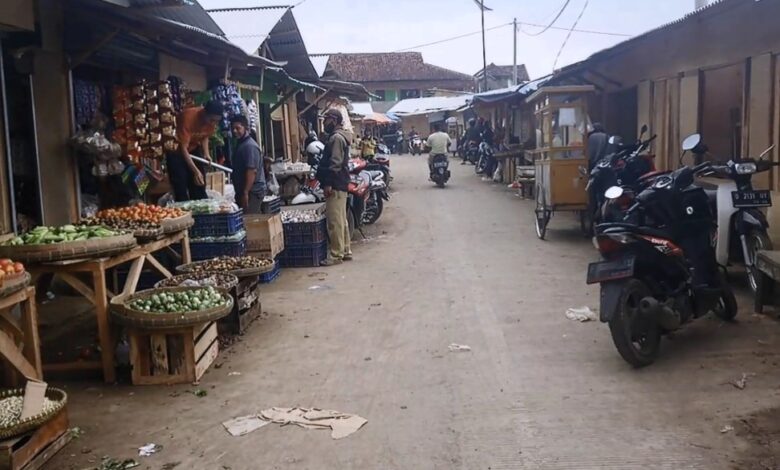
point(586, 223)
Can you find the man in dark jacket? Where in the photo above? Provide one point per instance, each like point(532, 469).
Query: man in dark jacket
point(333, 174)
point(597, 144)
point(248, 171)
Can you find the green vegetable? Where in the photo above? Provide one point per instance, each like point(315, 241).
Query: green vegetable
point(190, 300)
point(68, 233)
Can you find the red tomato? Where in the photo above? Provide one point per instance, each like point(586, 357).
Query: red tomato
point(18, 267)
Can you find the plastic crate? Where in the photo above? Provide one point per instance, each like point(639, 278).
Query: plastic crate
point(271, 276)
point(304, 256)
point(203, 251)
point(273, 206)
point(305, 233)
point(217, 225)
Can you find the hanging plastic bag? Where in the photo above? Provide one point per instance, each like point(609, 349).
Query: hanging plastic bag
point(273, 185)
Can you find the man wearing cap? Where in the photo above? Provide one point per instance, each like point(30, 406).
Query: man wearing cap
point(333, 174)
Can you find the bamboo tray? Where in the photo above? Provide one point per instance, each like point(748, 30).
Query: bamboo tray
point(178, 224)
point(124, 315)
point(14, 284)
point(96, 247)
point(38, 420)
point(239, 273)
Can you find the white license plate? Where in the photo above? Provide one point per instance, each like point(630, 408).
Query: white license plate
point(440, 164)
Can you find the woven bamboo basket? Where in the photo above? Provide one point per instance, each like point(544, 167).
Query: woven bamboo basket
point(225, 281)
point(33, 422)
point(239, 273)
point(96, 247)
point(14, 284)
point(178, 224)
point(124, 315)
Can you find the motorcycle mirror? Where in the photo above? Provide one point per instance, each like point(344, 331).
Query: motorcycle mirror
point(614, 192)
point(612, 140)
point(763, 154)
point(583, 170)
point(643, 130)
point(690, 142)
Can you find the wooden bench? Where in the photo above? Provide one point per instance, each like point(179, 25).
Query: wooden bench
point(768, 265)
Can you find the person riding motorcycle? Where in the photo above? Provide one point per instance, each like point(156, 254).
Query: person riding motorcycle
point(438, 143)
point(471, 139)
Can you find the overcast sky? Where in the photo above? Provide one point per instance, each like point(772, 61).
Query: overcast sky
point(390, 25)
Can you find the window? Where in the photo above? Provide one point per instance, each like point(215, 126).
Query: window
point(410, 94)
point(381, 95)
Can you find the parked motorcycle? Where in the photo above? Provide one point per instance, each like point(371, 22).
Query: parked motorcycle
point(485, 159)
point(660, 273)
point(439, 170)
point(377, 197)
point(741, 225)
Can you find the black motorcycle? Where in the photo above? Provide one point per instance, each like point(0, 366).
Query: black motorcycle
point(440, 172)
point(485, 159)
point(660, 272)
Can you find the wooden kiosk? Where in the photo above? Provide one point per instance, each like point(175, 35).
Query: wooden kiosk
point(561, 153)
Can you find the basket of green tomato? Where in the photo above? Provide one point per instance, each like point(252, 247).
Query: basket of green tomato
point(46, 244)
point(171, 307)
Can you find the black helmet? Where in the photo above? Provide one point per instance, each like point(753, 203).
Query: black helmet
point(472, 122)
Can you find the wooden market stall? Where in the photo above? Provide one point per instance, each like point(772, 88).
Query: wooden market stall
point(561, 151)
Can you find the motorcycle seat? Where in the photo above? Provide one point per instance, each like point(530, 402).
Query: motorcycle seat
point(617, 227)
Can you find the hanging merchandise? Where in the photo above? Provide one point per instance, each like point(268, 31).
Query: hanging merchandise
point(228, 94)
point(254, 114)
point(178, 93)
point(104, 154)
point(87, 97)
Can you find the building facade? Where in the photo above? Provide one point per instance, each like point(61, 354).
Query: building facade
point(499, 76)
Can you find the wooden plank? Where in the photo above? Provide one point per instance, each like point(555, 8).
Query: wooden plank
point(176, 359)
point(104, 328)
point(189, 360)
point(131, 283)
point(153, 261)
point(159, 347)
point(136, 361)
point(13, 299)
point(32, 342)
point(11, 326)
point(14, 356)
point(186, 254)
point(208, 358)
point(80, 286)
point(204, 342)
point(73, 366)
point(32, 452)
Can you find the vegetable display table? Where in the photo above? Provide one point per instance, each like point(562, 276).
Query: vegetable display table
point(24, 360)
point(99, 295)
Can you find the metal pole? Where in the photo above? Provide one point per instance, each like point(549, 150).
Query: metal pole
point(484, 54)
point(514, 44)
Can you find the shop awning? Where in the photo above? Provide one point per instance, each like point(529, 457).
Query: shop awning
point(413, 106)
point(377, 118)
point(513, 92)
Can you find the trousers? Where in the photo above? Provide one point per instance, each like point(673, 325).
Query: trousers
point(182, 182)
point(338, 228)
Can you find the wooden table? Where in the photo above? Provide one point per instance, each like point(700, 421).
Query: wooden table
point(99, 294)
point(19, 343)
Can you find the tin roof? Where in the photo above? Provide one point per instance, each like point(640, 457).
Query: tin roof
point(248, 27)
point(429, 105)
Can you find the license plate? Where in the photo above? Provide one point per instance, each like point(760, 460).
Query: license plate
point(611, 270)
point(440, 164)
point(757, 198)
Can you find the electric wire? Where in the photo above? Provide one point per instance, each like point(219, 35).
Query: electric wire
point(566, 40)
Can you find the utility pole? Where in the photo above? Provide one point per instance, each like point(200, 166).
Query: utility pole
point(514, 43)
point(484, 54)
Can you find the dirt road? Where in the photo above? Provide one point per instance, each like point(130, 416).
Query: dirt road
point(536, 391)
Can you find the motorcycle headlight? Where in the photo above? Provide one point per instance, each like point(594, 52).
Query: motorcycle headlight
point(745, 168)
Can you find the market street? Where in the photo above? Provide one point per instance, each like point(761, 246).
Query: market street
point(370, 337)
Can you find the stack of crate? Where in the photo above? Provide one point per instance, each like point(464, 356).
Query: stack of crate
point(306, 244)
point(215, 235)
point(265, 239)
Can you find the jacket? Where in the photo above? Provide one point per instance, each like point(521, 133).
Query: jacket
point(334, 167)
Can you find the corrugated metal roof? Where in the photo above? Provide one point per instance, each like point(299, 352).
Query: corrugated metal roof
point(429, 105)
point(522, 89)
point(192, 14)
point(362, 108)
point(248, 27)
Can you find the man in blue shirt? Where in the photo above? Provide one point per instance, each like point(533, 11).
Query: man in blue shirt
point(248, 172)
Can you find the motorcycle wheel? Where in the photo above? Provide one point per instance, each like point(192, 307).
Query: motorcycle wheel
point(351, 224)
point(369, 217)
point(756, 241)
point(637, 339)
point(727, 308)
point(440, 182)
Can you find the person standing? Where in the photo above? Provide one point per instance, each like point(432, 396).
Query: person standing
point(333, 174)
point(195, 127)
point(248, 171)
point(597, 144)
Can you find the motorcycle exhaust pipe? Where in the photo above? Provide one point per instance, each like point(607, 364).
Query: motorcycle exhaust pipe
point(665, 315)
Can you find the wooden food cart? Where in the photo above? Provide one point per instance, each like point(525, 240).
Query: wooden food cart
point(561, 140)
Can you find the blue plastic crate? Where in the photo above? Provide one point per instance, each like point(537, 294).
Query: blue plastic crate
point(271, 276)
point(273, 206)
point(217, 225)
point(303, 256)
point(208, 250)
point(305, 233)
